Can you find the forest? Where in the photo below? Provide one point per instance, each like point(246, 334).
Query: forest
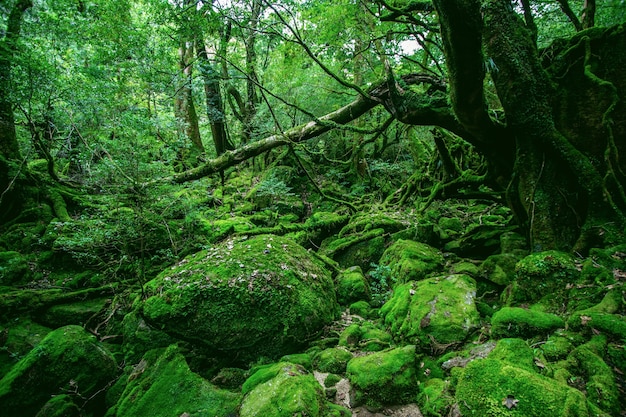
point(321, 208)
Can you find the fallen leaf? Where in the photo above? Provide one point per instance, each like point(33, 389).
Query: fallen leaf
point(509, 402)
point(584, 320)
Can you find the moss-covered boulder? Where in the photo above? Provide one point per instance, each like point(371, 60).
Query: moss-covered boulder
point(365, 336)
point(161, 385)
point(432, 313)
point(140, 337)
point(499, 269)
point(244, 298)
point(60, 406)
point(352, 286)
point(67, 360)
point(17, 339)
point(333, 360)
point(515, 321)
point(75, 313)
point(410, 260)
point(286, 390)
point(541, 274)
point(508, 383)
point(383, 378)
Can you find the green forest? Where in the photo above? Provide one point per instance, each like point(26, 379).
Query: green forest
point(313, 208)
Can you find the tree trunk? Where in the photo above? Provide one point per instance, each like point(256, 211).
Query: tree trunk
point(185, 108)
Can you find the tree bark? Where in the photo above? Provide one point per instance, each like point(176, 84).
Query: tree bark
point(185, 108)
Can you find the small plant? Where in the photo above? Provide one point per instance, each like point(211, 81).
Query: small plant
point(381, 283)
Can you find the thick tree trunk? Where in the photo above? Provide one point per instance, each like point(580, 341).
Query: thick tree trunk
point(185, 108)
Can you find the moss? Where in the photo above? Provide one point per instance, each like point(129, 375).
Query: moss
point(465, 267)
point(515, 352)
point(161, 384)
point(515, 321)
point(21, 336)
point(485, 383)
point(360, 250)
point(557, 347)
point(331, 380)
point(499, 269)
point(513, 243)
point(387, 377)
point(302, 359)
point(67, 360)
point(434, 398)
point(333, 360)
point(263, 296)
point(286, 390)
point(434, 313)
point(139, 337)
point(600, 317)
point(410, 260)
point(76, 313)
point(60, 406)
point(230, 378)
point(362, 309)
point(352, 286)
point(365, 337)
point(13, 268)
point(543, 273)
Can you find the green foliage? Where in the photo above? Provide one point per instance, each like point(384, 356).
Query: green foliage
point(381, 283)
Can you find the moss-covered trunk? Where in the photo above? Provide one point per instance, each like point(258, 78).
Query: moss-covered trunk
point(565, 195)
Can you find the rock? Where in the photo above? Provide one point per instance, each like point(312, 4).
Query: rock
point(244, 298)
point(365, 337)
point(499, 269)
point(515, 321)
point(505, 384)
point(602, 317)
point(410, 260)
point(139, 337)
point(13, 268)
point(384, 378)
point(433, 313)
point(285, 390)
point(17, 340)
point(333, 360)
point(68, 360)
point(75, 313)
point(542, 273)
point(513, 243)
point(352, 286)
point(363, 309)
point(60, 406)
point(161, 385)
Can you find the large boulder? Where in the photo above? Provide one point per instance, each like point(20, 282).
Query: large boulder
point(244, 298)
point(162, 385)
point(67, 361)
point(433, 313)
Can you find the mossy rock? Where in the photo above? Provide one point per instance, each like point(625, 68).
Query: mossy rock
point(286, 390)
point(359, 250)
point(543, 273)
point(465, 267)
point(20, 336)
point(411, 260)
point(366, 337)
point(162, 385)
point(516, 321)
point(244, 298)
point(140, 337)
point(434, 312)
point(332, 360)
point(499, 269)
point(13, 268)
point(352, 286)
point(75, 313)
point(384, 378)
point(603, 317)
point(600, 384)
point(60, 406)
point(67, 360)
point(434, 397)
point(217, 229)
point(363, 309)
point(488, 387)
point(302, 359)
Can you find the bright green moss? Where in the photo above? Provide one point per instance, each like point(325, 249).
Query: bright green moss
point(263, 296)
point(515, 321)
point(515, 352)
point(432, 312)
point(333, 360)
point(286, 390)
point(410, 260)
point(434, 399)
point(23, 335)
point(499, 269)
point(302, 359)
point(387, 377)
point(465, 267)
point(161, 385)
point(60, 406)
point(67, 359)
point(541, 274)
point(363, 309)
point(352, 286)
point(601, 317)
point(485, 383)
